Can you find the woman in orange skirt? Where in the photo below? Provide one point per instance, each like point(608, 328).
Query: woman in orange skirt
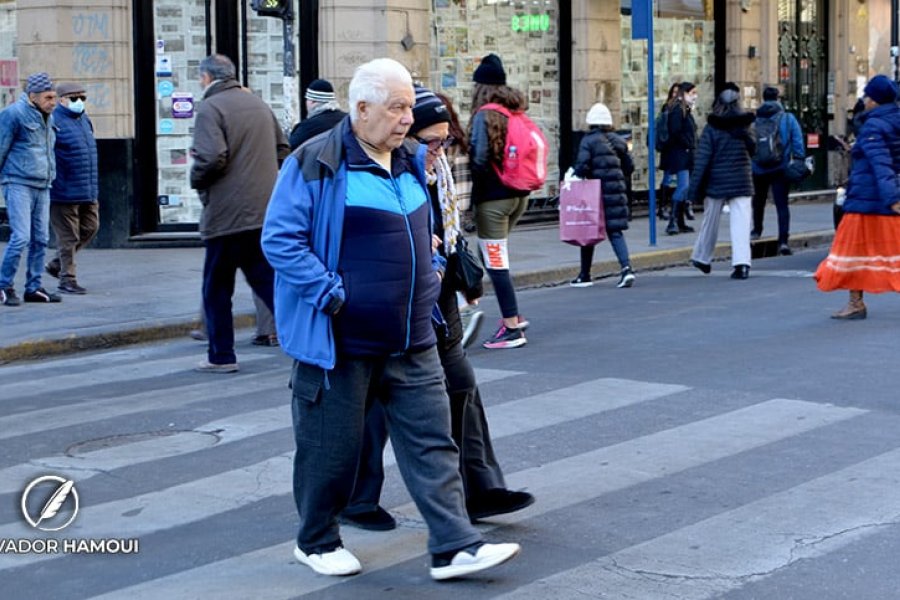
point(865, 254)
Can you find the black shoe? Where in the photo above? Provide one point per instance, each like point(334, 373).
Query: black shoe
point(689, 211)
point(497, 501)
point(741, 272)
point(41, 295)
point(376, 520)
point(705, 268)
point(785, 250)
point(265, 340)
point(71, 287)
point(582, 281)
point(8, 297)
point(52, 270)
point(755, 235)
point(685, 229)
point(672, 228)
point(626, 278)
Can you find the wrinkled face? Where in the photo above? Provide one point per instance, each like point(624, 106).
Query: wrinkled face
point(45, 101)
point(385, 125)
point(435, 137)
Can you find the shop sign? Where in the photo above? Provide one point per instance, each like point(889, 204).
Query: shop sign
point(812, 140)
point(182, 105)
point(9, 72)
point(523, 23)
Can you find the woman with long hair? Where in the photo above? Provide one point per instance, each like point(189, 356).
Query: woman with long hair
point(678, 155)
point(497, 207)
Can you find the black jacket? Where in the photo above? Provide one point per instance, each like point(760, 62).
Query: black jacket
point(722, 166)
point(314, 125)
point(604, 156)
point(678, 153)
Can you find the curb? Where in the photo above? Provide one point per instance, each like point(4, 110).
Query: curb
point(551, 277)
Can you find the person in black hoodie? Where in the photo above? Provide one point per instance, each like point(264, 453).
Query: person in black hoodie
point(678, 154)
point(604, 155)
point(722, 174)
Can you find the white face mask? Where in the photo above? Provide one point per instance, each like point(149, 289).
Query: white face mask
point(691, 99)
point(76, 106)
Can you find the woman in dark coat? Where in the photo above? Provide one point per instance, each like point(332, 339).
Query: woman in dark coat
point(865, 254)
point(604, 155)
point(723, 175)
point(677, 157)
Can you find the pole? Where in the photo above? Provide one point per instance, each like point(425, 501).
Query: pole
point(651, 129)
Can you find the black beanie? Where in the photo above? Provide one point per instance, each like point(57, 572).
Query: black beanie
point(490, 71)
point(428, 110)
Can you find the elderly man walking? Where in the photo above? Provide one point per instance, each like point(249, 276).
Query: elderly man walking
point(73, 197)
point(27, 169)
point(323, 113)
point(237, 148)
point(348, 232)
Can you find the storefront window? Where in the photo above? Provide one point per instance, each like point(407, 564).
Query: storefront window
point(524, 35)
point(684, 50)
point(9, 63)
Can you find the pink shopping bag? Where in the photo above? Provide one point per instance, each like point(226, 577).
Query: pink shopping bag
point(581, 219)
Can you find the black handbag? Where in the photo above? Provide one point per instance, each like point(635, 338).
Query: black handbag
point(465, 271)
point(799, 169)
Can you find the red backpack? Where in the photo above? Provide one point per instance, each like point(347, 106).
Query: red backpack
point(525, 154)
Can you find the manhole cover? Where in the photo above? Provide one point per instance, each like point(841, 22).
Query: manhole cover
point(147, 443)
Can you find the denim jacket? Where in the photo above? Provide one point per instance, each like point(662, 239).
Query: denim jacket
point(27, 140)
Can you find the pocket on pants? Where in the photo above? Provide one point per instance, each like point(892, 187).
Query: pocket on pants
point(306, 404)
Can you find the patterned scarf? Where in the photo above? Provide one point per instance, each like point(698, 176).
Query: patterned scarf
point(448, 201)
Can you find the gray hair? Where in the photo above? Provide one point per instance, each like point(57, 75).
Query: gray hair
point(218, 66)
point(371, 82)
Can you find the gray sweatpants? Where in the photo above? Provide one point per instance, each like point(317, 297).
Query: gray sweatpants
point(740, 216)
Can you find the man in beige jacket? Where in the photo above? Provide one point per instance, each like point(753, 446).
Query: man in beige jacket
point(238, 146)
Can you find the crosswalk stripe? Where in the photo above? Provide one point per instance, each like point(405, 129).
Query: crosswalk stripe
point(583, 476)
point(68, 380)
point(805, 522)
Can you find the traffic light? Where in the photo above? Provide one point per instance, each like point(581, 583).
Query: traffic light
point(271, 8)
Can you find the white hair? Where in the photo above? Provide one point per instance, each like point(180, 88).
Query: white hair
point(371, 82)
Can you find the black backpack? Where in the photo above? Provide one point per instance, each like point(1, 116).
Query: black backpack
point(769, 145)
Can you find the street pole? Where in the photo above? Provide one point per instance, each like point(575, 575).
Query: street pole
point(642, 29)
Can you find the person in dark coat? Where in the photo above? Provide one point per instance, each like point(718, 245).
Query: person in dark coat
point(677, 157)
point(863, 256)
point(663, 195)
point(322, 113)
point(483, 481)
point(722, 175)
point(74, 212)
point(604, 155)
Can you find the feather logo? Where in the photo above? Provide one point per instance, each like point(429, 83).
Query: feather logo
point(63, 492)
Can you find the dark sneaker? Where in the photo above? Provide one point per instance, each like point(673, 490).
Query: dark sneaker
point(52, 269)
point(8, 297)
point(71, 287)
point(506, 338)
point(471, 320)
point(785, 250)
point(704, 268)
point(471, 559)
point(497, 501)
point(42, 296)
point(626, 278)
point(755, 235)
point(376, 520)
point(581, 281)
point(265, 340)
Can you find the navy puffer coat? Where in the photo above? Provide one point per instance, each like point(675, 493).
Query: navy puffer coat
point(604, 156)
point(722, 166)
point(76, 159)
point(875, 176)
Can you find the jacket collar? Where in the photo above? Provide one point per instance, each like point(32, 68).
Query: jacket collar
point(220, 85)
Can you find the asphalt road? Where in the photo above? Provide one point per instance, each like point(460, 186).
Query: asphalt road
point(692, 437)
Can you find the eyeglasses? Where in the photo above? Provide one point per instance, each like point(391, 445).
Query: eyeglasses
point(435, 143)
point(82, 98)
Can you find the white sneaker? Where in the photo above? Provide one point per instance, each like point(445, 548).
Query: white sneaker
point(204, 366)
point(337, 562)
point(465, 563)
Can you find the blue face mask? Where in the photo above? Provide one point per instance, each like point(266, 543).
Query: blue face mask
point(76, 106)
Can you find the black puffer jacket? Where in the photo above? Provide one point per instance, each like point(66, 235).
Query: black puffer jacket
point(604, 156)
point(678, 153)
point(722, 166)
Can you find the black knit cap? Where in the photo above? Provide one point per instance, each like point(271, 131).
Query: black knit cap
point(428, 110)
point(320, 90)
point(490, 71)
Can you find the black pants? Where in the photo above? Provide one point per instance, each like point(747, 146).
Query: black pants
point(780, 187)
point(224, 256)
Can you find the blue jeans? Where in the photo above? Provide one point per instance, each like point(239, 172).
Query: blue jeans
point(29, 219)
point(329, 422)
point(681, 187)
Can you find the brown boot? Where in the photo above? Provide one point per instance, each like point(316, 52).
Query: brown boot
point(855, 309)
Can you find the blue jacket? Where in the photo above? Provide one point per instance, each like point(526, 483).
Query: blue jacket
point(76, 159)
point(790, 132)
point(303, 240)
point(26, 145)
point(875, 175)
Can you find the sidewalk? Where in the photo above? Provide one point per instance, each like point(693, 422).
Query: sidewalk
point(139, 295)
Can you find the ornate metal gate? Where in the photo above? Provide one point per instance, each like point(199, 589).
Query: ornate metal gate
point(803, 73)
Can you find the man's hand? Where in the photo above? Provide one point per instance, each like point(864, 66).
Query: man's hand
point(435, 242)
point(896, 207)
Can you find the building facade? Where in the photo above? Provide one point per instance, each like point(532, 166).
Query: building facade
point(138, 59)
